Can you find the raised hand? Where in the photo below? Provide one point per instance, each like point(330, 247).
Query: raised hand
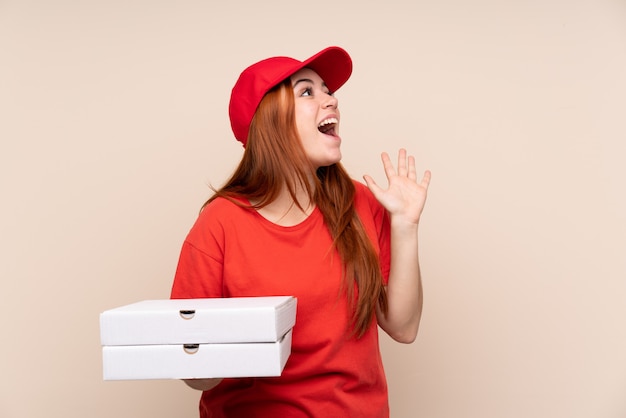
point(404, 197)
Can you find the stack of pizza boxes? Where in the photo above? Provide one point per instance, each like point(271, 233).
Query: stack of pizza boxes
point(197, 338)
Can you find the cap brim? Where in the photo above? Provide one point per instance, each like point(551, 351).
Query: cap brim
point(332, 64)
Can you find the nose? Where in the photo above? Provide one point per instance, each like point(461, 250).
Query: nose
point(330, 101)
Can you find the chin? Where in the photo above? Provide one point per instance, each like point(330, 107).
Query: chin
point(326, 162)
point(330, 162)
point(324, 158)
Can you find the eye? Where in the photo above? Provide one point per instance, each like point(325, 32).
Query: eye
point(307, 92)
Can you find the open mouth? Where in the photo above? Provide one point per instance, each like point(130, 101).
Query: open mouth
point(327, 126)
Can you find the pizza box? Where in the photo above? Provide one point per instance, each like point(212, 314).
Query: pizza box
point(199, 321)
point(196, 361)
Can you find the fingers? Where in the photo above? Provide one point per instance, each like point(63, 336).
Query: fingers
point(405, 168)
point(402, 164)
point(390, 171)
point(426, 179)
point(406, 165)
point(412, 174)
point(371, 184)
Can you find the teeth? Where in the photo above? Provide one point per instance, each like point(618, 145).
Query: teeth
point(328, 122)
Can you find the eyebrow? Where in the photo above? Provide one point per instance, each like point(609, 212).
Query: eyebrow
point(306, 80)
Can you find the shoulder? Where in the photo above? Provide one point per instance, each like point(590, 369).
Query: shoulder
point(370, 211)
point(218, 215)
point(224, 208)
point(363, 198)
point(360, 187)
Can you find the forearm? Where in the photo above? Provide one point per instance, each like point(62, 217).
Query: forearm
point(202, 384)
point(404, 200)
point(404, 288)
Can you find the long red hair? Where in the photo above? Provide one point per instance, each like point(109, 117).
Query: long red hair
point(274, 158)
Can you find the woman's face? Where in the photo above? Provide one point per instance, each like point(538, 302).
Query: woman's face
point(317, 118)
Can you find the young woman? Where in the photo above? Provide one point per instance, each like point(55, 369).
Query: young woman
point(290, 221)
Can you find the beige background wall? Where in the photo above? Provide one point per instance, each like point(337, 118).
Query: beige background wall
point(113, 122)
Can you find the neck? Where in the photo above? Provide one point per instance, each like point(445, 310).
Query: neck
point(286, 211)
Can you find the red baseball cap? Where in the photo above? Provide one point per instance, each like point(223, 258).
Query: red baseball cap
point(332, 64)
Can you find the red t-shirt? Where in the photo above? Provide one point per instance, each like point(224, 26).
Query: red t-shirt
point(235, 252)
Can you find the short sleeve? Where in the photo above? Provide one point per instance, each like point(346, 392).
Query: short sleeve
point(375, 219)
point(200, 269)
point(198, 275)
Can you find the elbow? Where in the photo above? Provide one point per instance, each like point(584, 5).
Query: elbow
point(202, 384)
point(404, 335)
point(407, 337)
point(402, 330)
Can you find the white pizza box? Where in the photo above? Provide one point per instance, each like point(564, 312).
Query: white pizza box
point(199, 321)
point(196, 361)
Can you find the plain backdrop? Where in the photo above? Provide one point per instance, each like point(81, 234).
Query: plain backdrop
point(113, 125)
